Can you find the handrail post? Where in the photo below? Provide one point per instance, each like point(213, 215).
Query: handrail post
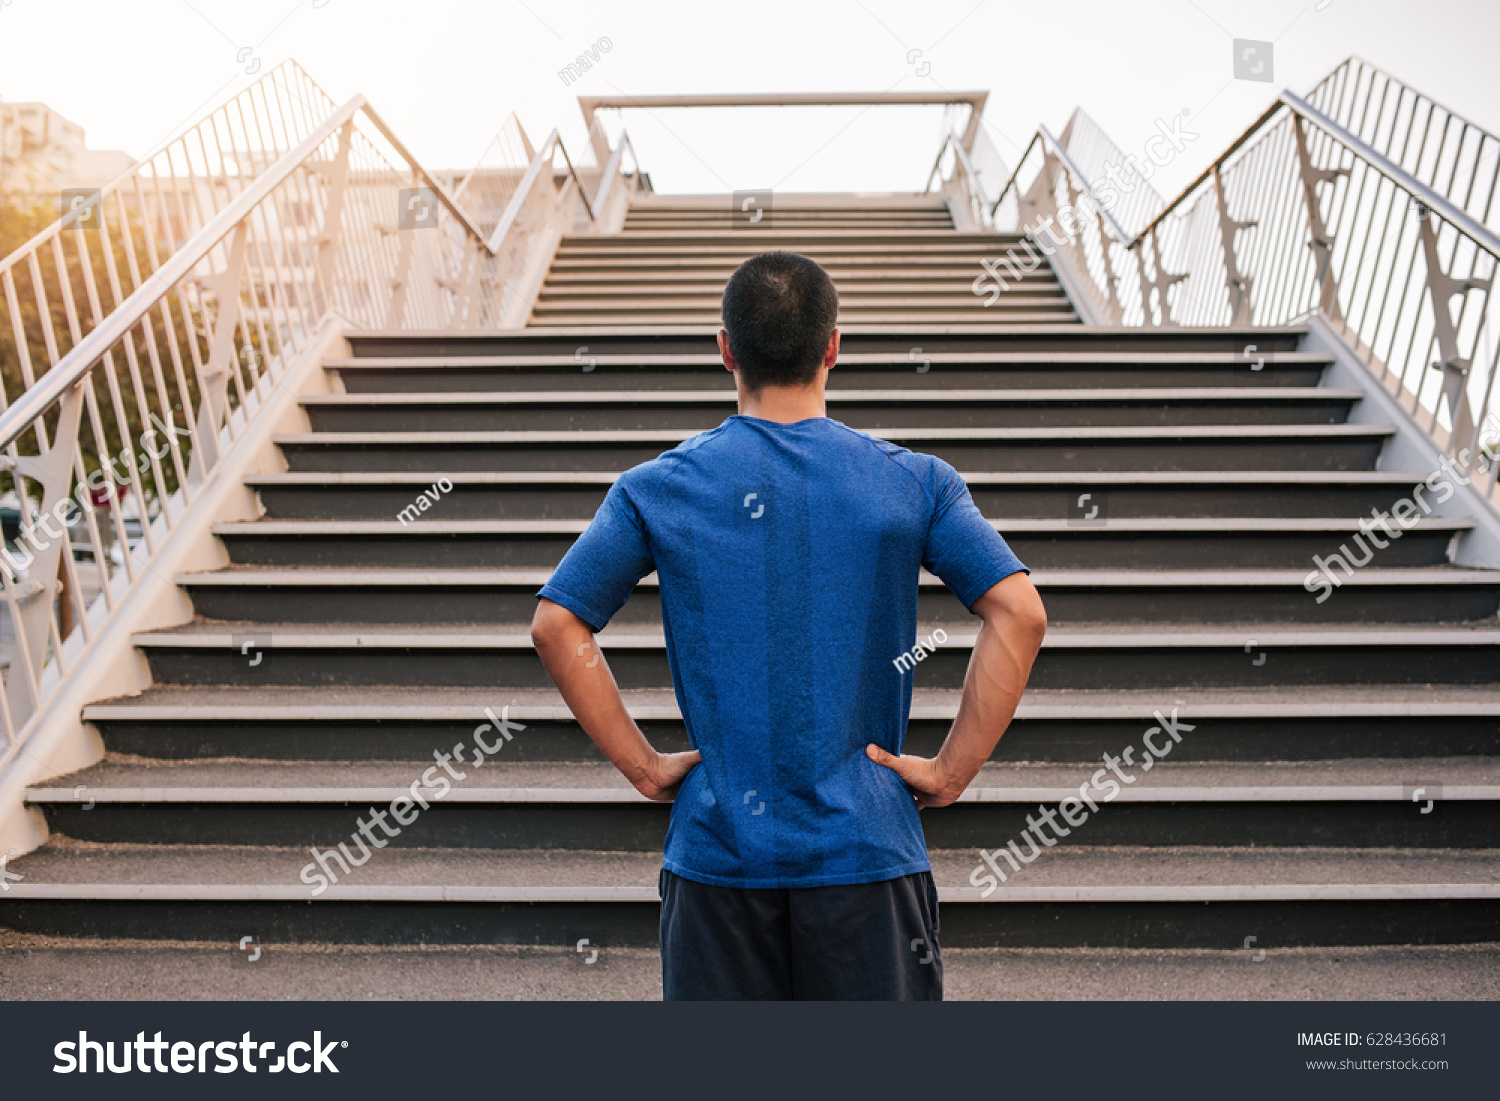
point(1321, 239)
point(1236, 281)
point(1140, 271)
point(333, 216)
point(395, 314)
point(30, 598)
point(1442, 288)
point(214, 373)
point(1111, 282)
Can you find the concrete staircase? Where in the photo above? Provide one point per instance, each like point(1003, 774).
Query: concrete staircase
point(895, 259)
point(346, 642)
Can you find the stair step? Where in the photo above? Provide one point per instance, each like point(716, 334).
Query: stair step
point(132, 782)
point(864, 409)
point(1041, 543)
point(1173, 658)
point(479, 595)
point(375, 723)
point(168, 704)
point(932, 279)
point(611, 373)
point(509, 805)
point(559, 495)
point(1197, 897)
point(1035, 342)
point(708, 318)
point(1109, 447)
point(754, 241)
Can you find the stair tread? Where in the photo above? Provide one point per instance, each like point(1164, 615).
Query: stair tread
point(69, 868)
point(437, 704)
point(753, 238)
point(502, 781)
point(839, 397)
point(708, 321)
point(1016, 478)
point(464, 398)
point(1009, 525)
point(254, 576)
point(1082, 434)
point(848, 359)
point(1269, 636)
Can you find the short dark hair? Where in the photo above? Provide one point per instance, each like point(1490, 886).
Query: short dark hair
point(779, 309)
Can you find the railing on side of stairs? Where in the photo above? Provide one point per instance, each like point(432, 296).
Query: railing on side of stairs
point(961, 185)
point(142, 333)
point(1365, 202)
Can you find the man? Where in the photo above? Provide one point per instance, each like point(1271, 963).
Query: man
point(787, 549)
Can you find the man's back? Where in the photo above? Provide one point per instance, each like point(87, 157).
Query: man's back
point(788, 549)
point(788, 557)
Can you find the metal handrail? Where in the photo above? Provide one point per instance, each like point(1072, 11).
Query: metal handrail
point(978, 202)
point(1202, 177)
point(1429, 198)
point(962, 156)
point(115, 325)
point(192, 282)
point(429, 180)
point(1308, 213)
point(534, 171)
point(1004, 191)
point(612, 169)
point(77, 363)
point(1084, 185)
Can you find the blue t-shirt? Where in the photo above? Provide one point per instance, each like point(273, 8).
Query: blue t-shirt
point(788, 557)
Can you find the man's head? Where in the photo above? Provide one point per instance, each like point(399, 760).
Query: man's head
point(779, 312)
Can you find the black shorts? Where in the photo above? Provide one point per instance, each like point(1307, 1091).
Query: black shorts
point(861, 942)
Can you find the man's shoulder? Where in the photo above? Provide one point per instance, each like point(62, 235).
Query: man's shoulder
point(928, 471)
point(647, 477)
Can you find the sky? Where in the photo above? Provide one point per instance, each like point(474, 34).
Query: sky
point(447, 73)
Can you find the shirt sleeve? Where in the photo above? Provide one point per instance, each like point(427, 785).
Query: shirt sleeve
point(963, 548)
point(595, 577)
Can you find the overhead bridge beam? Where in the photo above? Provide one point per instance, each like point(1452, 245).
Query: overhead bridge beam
point(975, 100)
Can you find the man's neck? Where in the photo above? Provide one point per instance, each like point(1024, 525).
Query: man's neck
point(785, 404)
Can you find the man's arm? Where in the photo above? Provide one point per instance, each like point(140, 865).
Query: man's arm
point(566, 646)
point(1013, 623)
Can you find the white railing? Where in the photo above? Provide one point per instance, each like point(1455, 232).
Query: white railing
point(142, 333)
point(485, 190)
point(962, 186)
point(1365, 203)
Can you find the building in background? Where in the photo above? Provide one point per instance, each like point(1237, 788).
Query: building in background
point(42, 152)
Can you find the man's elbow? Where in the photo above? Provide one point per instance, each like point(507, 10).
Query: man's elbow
point(1034, 621)
point(1028, 617)
point(550, 624)
point(1015, 604)
point(1034, 617)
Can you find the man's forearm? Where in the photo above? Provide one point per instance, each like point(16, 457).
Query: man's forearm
point(573, 659)
point(1013, 623)
point(997, 674)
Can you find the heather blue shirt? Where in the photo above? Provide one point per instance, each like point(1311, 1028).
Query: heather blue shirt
point(788, 558)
